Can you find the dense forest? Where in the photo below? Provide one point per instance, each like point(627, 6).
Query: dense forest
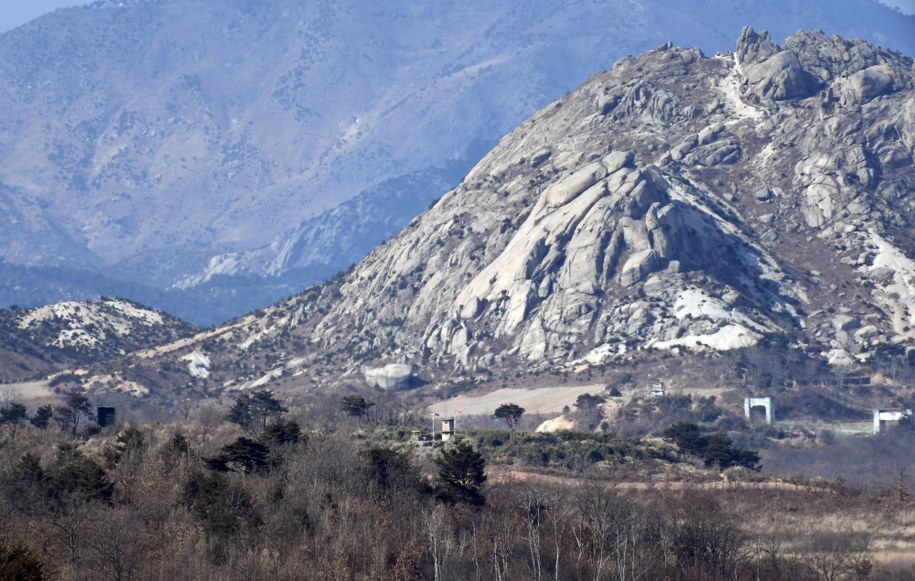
point(262, 492)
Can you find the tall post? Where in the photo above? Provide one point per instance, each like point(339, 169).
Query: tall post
point(433, 425)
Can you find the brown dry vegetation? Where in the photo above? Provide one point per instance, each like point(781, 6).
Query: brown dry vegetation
point(362, 501)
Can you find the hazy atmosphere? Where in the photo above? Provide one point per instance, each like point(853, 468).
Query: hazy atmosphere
point(417, 290)
point(14, 13)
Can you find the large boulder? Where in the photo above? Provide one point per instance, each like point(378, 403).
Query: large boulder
point(865, 85)
point(391, 376)
point(770, 72)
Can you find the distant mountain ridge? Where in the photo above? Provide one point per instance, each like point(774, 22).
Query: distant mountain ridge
point(174, 144)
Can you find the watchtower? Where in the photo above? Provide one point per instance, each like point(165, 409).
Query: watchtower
point(448, 430)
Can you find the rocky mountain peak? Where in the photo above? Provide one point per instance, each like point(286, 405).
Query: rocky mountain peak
point(811, 62)
point(677, 202)
point(223, 154)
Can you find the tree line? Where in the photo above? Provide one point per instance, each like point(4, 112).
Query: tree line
point(268, 495)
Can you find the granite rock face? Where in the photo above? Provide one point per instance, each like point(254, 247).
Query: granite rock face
point(209, 157)
point(677, 201)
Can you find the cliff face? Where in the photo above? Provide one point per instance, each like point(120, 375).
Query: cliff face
point(676, 202)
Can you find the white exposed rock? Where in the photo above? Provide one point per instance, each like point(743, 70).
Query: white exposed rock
point(839, 358)
point(609, 247)
point(865, 85)
point(558, 424)
point(574, 184)
point(91, 324)
point(779, 77)
point(198, 364)
point(391, 376)
point(265, 379)
point(845, 323)
point(725, 339)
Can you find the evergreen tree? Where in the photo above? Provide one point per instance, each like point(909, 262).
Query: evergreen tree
point(282, 433)
point(12, 416)
point(356, 405)
point(461, 470)
point(253, 410)
point(243, 455)
point(73, 412)
point(511, 413)
point(42, 417)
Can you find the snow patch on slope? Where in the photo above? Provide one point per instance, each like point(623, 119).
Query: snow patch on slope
point(696, 304)
point(729, 87)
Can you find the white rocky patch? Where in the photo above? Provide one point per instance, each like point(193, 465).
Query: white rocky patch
point(729, 87)
point(265, 379)
point(116, 383)
point(198, 364)
point(391, 376)
point(89, 324)
point(696, 304)
point(898, 290)
point(135, 313)
point(839, 358)
point(725, 339)
point(601, 354)
point(231, 263)
point(558, 424)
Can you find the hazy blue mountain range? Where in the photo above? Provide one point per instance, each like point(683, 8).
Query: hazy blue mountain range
point(210, 157)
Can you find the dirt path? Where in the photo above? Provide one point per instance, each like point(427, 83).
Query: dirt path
point(509, 475)
point(181, 343)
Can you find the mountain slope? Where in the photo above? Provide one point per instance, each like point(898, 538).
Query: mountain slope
point(677, 203)
point(38, 341)
point(179, 143)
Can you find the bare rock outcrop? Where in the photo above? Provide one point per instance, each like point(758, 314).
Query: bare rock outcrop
point(676, 202)
point(772, 72)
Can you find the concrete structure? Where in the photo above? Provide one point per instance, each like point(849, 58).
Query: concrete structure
point(448, 430)
point(881, 417)
point(391, 376)
point(657, 388)
point(759, 402)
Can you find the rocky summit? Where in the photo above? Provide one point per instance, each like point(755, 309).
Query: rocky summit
point(679, 202)
point(208, 157)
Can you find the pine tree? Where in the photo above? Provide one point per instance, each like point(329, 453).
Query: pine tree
point(461, 470)
point(253, 410)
